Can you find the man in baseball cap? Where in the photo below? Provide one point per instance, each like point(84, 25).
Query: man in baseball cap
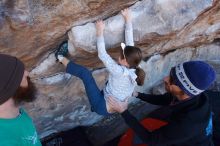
point(185, 111)
point(16, 127)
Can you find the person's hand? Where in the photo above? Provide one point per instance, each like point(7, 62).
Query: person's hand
point(126, 14)
point(100, 26)
point(117, 105)
point(135, 94)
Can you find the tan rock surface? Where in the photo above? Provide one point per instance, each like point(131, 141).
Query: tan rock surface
point(31, 28)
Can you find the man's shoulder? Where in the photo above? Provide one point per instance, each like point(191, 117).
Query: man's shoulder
point(25, 114)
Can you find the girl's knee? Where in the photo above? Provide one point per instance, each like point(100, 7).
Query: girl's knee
point(86, 72)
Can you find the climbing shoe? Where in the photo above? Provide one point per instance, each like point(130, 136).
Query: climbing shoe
point(62, 50)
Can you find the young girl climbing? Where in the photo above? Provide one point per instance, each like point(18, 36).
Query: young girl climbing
point(123, 76)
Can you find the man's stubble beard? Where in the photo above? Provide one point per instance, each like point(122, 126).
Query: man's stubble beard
point(25, 94)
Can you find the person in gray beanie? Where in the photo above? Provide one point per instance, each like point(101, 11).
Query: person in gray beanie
point(184, 117)
point(16, 127)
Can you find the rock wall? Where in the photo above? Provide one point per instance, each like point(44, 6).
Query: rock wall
point(167, 31)
point(161, 17)
point(38, 26)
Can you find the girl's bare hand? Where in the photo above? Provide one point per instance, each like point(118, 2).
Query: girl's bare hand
point(126, 14)
point(100, 26)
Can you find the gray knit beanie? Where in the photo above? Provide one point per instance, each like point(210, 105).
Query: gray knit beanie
point(11, 74)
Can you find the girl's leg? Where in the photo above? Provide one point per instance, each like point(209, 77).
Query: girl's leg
point(65, 61)
point(96, 97)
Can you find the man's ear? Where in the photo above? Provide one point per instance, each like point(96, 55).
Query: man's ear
point(182, 93)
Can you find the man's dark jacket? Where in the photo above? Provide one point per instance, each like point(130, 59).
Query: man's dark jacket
point(189, 121)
